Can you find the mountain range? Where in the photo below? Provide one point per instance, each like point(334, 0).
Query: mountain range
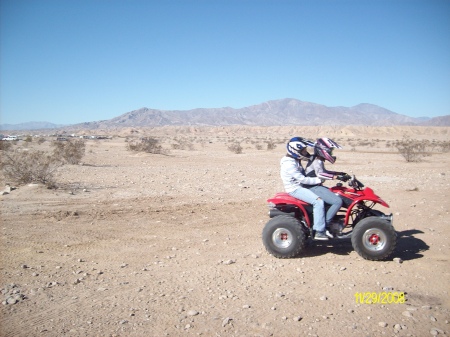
point(280, 112)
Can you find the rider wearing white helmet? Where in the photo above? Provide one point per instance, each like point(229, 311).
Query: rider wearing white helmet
point(323, 150)
point(294, 178)
point(323, 147)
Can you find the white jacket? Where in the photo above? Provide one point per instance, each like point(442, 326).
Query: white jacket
point(293, 174)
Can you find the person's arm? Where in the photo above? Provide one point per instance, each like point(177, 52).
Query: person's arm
point(323, 173)
point(291, 170)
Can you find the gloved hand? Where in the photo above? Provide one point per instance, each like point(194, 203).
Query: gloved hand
point(344, 177)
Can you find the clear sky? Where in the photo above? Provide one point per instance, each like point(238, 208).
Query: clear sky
point(73, 61)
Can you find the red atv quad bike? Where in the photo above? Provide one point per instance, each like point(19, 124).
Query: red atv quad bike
point(371, 231)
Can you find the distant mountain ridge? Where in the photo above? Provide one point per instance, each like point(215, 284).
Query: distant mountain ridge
point(438, 121)
point(30, 126)
point(282, 112)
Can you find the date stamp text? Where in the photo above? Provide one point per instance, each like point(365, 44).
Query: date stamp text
point(385, 297)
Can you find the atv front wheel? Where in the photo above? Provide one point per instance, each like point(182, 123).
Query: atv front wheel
point(283, 237)
point(374, 238)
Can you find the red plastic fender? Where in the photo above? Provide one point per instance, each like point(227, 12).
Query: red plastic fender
point(284, 198)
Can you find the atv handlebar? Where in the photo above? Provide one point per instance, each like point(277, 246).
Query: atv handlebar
point(344, 177)
point(352, 181)
point(355, 183)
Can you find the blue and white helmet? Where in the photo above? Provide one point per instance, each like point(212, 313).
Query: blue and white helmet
point(296, 145)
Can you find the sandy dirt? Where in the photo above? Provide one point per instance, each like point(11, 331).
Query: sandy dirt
point(138, 244)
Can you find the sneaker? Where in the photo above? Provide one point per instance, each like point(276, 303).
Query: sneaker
point(327, 233)
point(321, 236)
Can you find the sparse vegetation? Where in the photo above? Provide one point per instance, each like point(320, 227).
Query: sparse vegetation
point(235, 147)
point(445, 146)
point(69, 152)
point(147, 144)
point(26, 167)
point(271, 145)
point(5, 145)
point(412, 150)
point(182, 144)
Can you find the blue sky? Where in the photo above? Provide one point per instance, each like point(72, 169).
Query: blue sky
point(77, 61)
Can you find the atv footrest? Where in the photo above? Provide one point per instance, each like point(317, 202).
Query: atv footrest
point(347, 235)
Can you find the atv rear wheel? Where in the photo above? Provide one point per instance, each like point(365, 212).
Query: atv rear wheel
point(283, 237)
point(374, 238)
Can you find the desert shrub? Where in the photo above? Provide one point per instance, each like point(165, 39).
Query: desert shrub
point(412, 150)
point(182, 144)
point(365, 142)
point(445, 146)
point(5, 145)
point(26, 167)
point(40, 140)
point(271, 145)
point(235, 147)
point(258, 146)
point(148, 144)
point(28, 139)
point(69, 152)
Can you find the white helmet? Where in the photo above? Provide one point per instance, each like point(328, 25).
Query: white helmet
point(323, 147)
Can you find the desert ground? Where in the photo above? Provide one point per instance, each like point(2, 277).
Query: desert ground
point(140, 244)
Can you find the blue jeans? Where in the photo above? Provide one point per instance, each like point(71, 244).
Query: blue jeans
point(330, 198)
point(318, 206)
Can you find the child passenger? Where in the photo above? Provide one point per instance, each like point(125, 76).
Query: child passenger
point(323, 150)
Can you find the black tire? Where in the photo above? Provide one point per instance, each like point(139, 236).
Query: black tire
point(374, 238)
point(283, 237)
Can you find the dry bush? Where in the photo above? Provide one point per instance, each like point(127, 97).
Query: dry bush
point(235, 147)
point(69, 152)
point(365, 142)
point(5, 145)
point(444, 145)
point(26, 167)
point(271, 145)
point(148, 144)
point(40, 140)
point(412, 150)
point(183, 144)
